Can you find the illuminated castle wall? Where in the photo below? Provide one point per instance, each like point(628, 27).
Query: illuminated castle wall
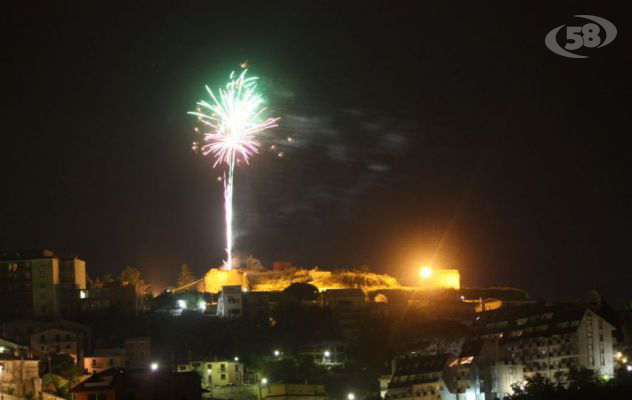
point(441, 279)
point(275, 280)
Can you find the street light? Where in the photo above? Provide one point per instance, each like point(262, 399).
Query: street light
point(154, 366)
point(425, 272)
point(262, 383)
point(350, 396)
point(236, 359)
point(277, 353)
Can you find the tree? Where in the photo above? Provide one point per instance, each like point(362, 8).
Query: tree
point(130, 276)
point(186, 277)
point(301, 291)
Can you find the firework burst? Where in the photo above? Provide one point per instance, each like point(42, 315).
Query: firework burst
point(233, 120)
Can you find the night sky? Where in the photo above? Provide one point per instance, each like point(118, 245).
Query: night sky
point(443, 133)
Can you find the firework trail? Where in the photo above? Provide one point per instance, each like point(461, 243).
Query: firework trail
point(233, 119)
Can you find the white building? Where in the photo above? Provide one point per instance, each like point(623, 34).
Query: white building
point(216, 373)
point(551, 339)
point(418, 377)
point(230, 302)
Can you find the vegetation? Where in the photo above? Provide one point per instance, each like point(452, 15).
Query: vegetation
point(576, 385)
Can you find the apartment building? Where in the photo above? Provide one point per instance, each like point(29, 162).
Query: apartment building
point(548, 339)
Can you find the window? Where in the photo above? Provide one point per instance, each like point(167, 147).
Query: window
point(223, 377)
point(94, 363)
point(222, 367)
point(42, 339)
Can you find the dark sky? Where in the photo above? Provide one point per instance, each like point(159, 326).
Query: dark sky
point(445, 131)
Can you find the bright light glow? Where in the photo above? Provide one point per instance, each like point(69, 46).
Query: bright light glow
point(425, 272)
point(327, 353)
point(1, 349)
point(154, 366)
point(82, 294)
point(264, 381)
point(350, 396)
point(234, 120)
point(209, 371)
point(236, 359)
point(202, 305)
point(629, 368)
point(618, 355)
point(277, 353)
point(182, 304)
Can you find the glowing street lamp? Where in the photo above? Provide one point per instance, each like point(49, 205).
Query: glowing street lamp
point(277, 353)
point(350, 396)
point(154, 366)
point(182, 304)
point(236, 359)
point(327, 353)
point(264, 381)
point(425, 272)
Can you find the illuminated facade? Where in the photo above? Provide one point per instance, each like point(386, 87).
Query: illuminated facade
point(293, 392)
point(230, 302)
point(39, 284)
point(438, 278)
point(551, 339)
point(216, 373)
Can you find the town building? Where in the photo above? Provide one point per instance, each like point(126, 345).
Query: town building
point(118, 384)
point(551, 339)
point(19, 375)
point(292, 392)
point(230, 302)
point(485, 370)
point(103, 359)
point(216, 373)
point(420, 377)
point(62, 337)
point(120, 299)
point(349, 307)
point(72, 279)
point(39, 284)
point(138, 352)
point(29, 284)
